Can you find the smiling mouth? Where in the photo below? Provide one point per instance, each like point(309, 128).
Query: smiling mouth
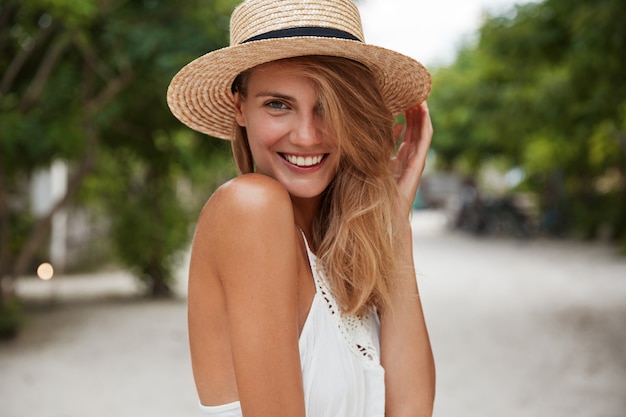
point(304, 161)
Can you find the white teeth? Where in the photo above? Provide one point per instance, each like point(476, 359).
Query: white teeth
point(304, 162)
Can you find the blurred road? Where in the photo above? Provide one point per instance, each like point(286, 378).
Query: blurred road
point(532, 328)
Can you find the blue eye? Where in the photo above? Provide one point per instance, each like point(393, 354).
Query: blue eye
point(275, 104)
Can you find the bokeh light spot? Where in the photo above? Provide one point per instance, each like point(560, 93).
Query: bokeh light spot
point(45, 271)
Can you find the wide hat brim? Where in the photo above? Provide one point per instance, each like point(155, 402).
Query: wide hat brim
point(200, 94)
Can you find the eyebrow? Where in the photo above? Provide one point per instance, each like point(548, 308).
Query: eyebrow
point(274, 94)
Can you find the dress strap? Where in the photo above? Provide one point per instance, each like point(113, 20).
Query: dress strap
point(355, 329)
point(311, 256)
point(306, 242)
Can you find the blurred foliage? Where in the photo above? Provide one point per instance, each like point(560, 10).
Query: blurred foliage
point(85, 81)
point(543, 89)
point(11, 318)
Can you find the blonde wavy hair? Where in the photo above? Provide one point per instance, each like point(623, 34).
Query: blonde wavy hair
point(353, 230)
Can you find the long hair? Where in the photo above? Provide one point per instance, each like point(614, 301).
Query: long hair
point(353, 229)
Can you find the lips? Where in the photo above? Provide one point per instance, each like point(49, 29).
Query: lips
point(304, 161)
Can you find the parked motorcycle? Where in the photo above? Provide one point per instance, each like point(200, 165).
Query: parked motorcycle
point(498, 216)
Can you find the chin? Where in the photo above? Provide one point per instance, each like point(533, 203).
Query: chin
point(306, 191)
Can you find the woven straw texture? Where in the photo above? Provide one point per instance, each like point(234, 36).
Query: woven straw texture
point(200, 97)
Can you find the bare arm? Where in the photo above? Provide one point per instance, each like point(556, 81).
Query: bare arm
point(248, 234)
point(406, 353)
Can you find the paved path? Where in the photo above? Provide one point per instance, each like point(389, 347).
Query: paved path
point(524, 328)
point(518, 328)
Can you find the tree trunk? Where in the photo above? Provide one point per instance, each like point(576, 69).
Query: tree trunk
point(5, 227)
point(41, 228)
point(158, 280)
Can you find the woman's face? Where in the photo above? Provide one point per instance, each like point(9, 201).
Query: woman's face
point(288, 140)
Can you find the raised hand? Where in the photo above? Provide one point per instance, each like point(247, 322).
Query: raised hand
point(408, 163)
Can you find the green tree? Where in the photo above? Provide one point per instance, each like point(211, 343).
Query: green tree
point(85, 81)
point(543, 89)
point(154, 152)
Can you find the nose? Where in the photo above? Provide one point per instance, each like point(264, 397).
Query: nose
point(308, 130)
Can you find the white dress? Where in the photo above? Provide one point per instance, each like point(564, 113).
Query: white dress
point(340, 361)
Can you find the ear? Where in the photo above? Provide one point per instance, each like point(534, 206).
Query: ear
point(239, 111)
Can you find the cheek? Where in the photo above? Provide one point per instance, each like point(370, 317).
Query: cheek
point(256, 149)
point(261, 143)
point(264, 132)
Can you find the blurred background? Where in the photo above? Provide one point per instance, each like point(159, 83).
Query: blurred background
point(520, 219)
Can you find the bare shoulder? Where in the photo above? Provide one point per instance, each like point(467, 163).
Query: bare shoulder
point(245, 201)
point(250, 193)
point(243, 215)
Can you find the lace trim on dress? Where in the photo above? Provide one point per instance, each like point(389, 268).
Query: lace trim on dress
point(355, 329)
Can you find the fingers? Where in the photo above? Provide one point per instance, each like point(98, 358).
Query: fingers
point(411, 156)
point(417, 138)
point(419, 130)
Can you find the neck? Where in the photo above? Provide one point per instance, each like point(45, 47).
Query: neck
point(304, 211)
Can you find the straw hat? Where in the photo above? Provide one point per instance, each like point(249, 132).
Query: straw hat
point(267, 30)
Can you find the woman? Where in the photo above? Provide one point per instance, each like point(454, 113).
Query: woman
point(302, 290)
